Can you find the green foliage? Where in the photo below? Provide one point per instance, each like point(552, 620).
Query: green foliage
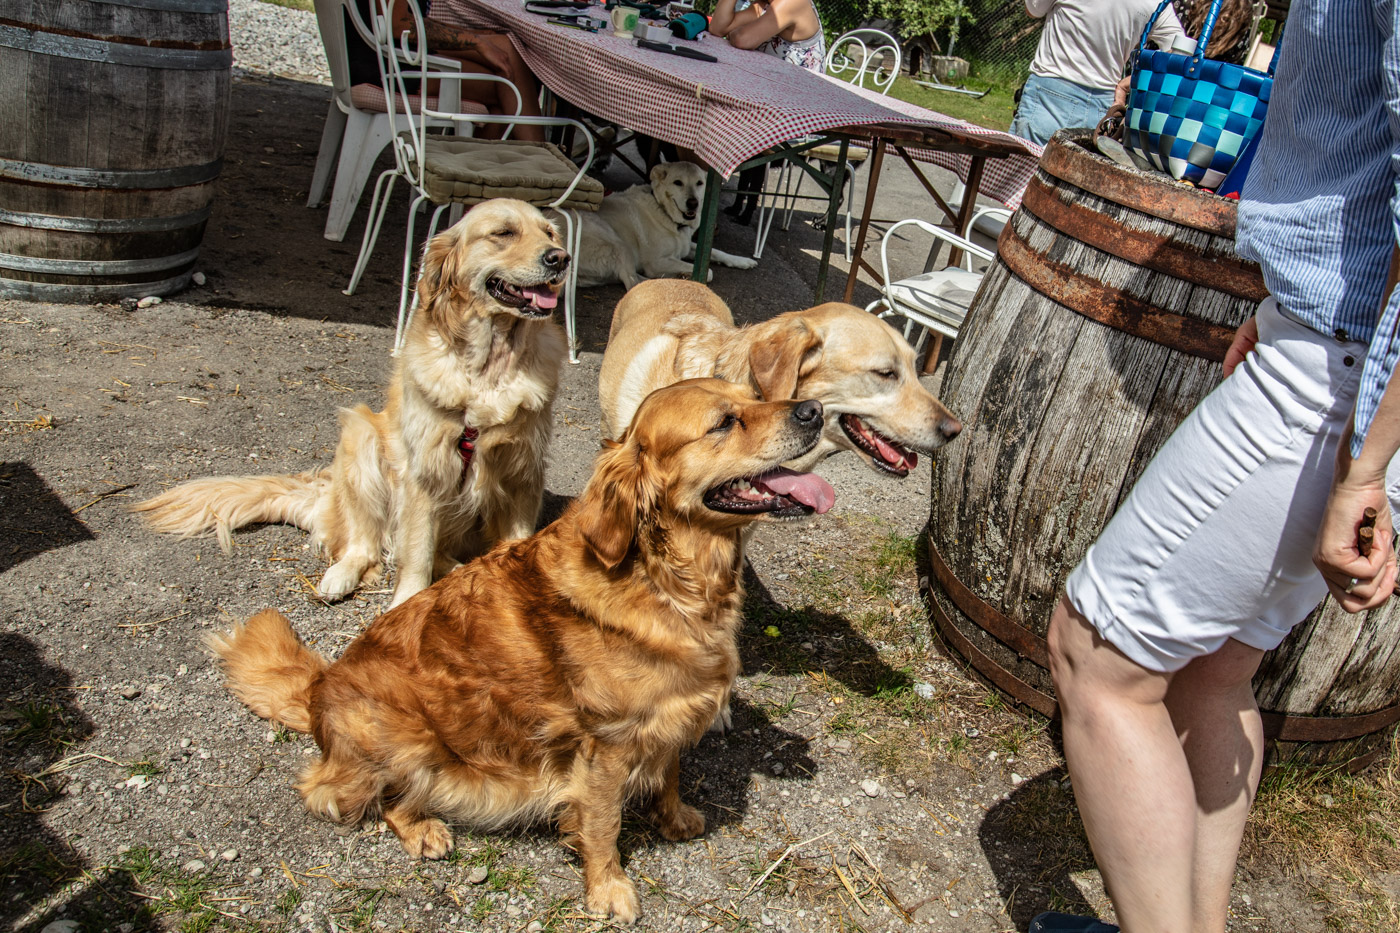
point(921, 17)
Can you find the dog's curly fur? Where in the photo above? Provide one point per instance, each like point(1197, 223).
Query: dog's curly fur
point(556, 676)
point(476, 356)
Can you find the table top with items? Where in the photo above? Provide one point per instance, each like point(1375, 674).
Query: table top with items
point(734, 107)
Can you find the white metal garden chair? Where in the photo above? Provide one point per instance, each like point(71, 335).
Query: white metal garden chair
point(936, 300)
point(449, 171)
point(863, 57)
point(357, 121)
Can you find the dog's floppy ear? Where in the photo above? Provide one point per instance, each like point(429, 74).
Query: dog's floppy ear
point(612, 505)
point(441, 281)
point(658, 172)
point(781, 356)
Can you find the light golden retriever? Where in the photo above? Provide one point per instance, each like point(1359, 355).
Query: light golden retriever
point(646, 231)
point(859, 368)
point(455, 462)
point(560, 675)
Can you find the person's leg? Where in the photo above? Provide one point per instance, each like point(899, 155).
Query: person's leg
point(496, 97)
point(1212, 705)
point(1131, 777)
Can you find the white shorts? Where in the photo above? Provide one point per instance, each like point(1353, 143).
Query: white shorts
point(1216, 539)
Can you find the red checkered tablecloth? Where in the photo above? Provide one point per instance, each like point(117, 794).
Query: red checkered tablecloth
point(726, 111)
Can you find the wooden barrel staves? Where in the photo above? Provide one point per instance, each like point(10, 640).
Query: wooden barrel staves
point(111, 137)
point(1102, 323)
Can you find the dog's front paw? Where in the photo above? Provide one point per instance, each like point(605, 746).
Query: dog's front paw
point(615, 897)
point(723, 721)
point(709, 275)
point(685, 823)
point(743, 262)
point(430, 839)
point(339, 581)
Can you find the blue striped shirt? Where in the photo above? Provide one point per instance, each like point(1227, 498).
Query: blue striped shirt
point(1320, 209)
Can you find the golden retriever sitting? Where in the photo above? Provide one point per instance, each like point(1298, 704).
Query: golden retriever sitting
point(859, 368)
point(455, 462)
point(560, 675)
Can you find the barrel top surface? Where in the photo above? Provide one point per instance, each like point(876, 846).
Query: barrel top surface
point(1066, 157)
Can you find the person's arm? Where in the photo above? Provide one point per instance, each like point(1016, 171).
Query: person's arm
point(1358, 480)
point(758, 30)
point(725, 19)
point(1358, 483)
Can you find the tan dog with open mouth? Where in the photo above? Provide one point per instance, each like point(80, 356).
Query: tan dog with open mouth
point(561, 675)
point(455, 462)
point(859, 368)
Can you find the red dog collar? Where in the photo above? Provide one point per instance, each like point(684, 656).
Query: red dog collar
point(466, 446)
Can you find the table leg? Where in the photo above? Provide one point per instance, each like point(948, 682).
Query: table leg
point(833, 209)
point(969, 204)
point(705, 239)
point(871, 182)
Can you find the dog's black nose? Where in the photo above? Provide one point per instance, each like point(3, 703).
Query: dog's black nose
point(556, 260)
point(949, 428)
point(808, 413)
point(692, 203)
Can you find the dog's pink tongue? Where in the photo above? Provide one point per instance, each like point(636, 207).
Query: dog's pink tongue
point(541, 297)
point(808, 488)
point(891, 454)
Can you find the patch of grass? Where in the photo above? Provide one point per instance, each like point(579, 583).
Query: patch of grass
point(282, 735)
point(843, 723)
point(993, 111)
point(892, 560)
point(182, 894)
point(362, 914)
point(287, 901)
point(145, 767)
point(483, 907)
point(1337, 832)
point(41, 723)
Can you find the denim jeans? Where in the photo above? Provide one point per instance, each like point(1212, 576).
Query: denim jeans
point(1049, 104)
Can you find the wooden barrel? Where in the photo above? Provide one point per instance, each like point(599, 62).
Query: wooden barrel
point(112, 133)
point(1100, 326)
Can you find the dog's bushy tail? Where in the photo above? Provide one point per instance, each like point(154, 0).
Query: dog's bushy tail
point(223, 503)
point(269, 668)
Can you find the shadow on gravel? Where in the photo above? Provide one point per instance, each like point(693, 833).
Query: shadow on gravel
point(41, 727)
point(1033, 842)
point(773, 636)
point(33, 519)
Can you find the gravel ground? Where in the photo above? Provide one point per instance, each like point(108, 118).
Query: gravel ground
point(277, 40)
point(869, 784)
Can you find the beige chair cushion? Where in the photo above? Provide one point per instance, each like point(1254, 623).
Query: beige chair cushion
point(937, 299)
point(470, 171)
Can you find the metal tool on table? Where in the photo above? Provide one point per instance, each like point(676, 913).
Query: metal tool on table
point(676, 50)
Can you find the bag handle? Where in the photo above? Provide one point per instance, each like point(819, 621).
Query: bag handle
point(1206, 29)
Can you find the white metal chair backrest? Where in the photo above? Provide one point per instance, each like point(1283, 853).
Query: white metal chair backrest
point(405, 55)
point(863, 53)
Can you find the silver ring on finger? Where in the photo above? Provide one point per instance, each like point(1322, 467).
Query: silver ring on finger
point(1351, 585)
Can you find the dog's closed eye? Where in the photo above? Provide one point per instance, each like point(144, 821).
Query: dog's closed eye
point(504, 233)
point(886, 373)
point(725, 423)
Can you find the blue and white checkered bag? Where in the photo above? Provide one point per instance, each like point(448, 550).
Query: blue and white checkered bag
point(1191, 116)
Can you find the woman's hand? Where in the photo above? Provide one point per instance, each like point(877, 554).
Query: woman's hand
point(1246, 336)
point(1355, 581)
